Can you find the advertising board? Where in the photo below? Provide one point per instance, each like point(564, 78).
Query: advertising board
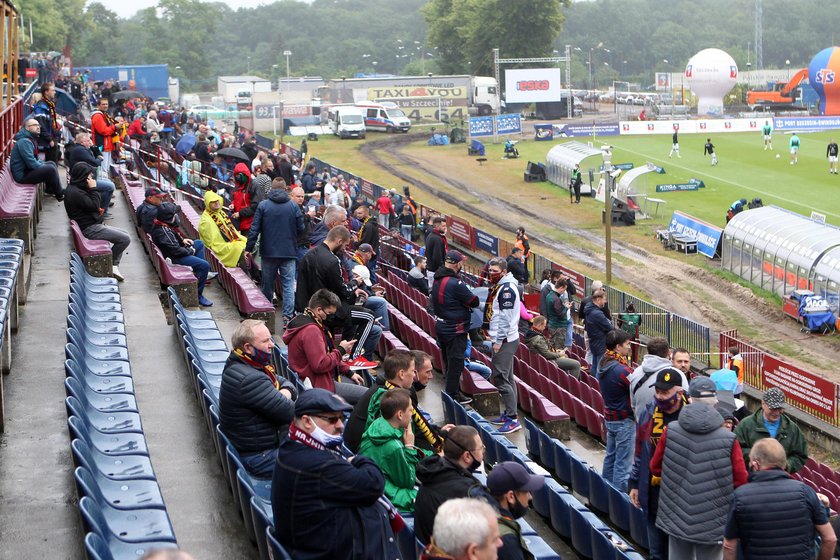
point(486, 242)
point(809, 391)
point(707, 235)
point(459, 230)
point(532, 85)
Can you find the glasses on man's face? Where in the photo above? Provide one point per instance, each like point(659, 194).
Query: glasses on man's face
point(329, 419)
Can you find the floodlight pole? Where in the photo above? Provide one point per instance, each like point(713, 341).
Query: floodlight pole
point(608, 179)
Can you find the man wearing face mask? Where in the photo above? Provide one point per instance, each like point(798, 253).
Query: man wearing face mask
point(668, 401)
point(511, 485)
point(445, 477)
point(255, 404)
point(328, 505)
point(451, 301)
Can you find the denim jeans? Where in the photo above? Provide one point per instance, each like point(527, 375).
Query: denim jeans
point(286, 268)
point(570, 330)
point(260, 465)
point(657, 540)
point(105, 188)
point(198, 263)
point(479, 368)
point(595, 360)
point(371, 264)
point(405, 232)
point(621, 437)
point(379, 307)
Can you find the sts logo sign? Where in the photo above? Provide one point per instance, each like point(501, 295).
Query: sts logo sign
point(825, 76)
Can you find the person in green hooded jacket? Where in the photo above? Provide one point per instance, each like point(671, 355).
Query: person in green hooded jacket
point(389, 442)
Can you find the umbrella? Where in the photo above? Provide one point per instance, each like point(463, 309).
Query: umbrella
point(234, 153)
point(185, 144)
point(64, 103)
point(126, 94)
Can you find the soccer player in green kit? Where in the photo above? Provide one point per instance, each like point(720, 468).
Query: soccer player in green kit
point(767, 131)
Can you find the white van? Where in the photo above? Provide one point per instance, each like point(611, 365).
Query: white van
point(346, 121)
point(385, 116)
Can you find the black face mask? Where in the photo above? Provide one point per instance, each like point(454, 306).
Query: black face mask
point(517, 509)
point(475, 463)
point(417, 386)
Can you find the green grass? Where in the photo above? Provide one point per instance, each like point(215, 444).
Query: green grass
point(745, 170)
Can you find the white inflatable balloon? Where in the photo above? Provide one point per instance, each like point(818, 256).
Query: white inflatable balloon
point(711, 74)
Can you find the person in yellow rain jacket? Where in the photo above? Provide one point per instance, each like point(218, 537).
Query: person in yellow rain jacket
point(218, 233)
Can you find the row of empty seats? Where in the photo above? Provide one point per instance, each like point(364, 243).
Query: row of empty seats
point(123, 511)
point(12, 295)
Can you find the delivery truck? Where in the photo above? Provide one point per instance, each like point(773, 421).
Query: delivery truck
point(238, 91)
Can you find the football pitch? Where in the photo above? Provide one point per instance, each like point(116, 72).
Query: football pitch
point(744, 170)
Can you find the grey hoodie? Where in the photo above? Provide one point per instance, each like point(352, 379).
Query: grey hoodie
point(642, 393)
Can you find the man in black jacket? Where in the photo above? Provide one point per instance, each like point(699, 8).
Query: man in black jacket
point(167, 235)
point(321, 268)
point(447, 477)
point(368, 233)
point(451, 302)
point(83, 150)
point(516, 266)
point(255, 403)
point(82, 204)
point(147, 211)
point(436, 248)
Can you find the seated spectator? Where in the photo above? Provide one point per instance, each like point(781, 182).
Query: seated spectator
point(417, 275)
point(255, 404)
point(25, 166)
point(166, 234)
point(312, 353)
point(193, 172)
point(147, 211)
point(137, 129)
point(326, 504)
point(83, 150)
point(511, 486)
point(478, 367)
point(333, 216)
point(83, 205)
point(218, 233)
point(464, 529)
point(373, 296)
point(389, 441)
point(535, 340)
point(447, 476)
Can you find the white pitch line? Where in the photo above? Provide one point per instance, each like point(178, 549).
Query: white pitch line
point(670, 163)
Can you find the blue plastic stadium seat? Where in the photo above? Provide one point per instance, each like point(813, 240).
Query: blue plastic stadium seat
point(583, 522)
point(108, 444)
point(202, 344)
point(102, 353)
point(102, 312)
point(599, 498)
point(620, 508)
point(105, 422)
point(448, 408)
point(121, 467)
point(101, 384)
point(540, 549)
point(127, 494)
point(545, 450)
point(94, 366)
point(130, 527)
point(262, 518)
point(562, 503)
point(580, 475)
point(112, 295)
point(277, 550)
point(541, 498)
point(96, 548)
point(102, 403)
point(250, 487)
point(532, 438)
point(93, 333)
point(563, 462)
point(94, 327)
point(525, 528)
point(186, 313)
point(638, 527)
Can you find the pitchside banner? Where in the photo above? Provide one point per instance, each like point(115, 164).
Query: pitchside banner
point(806, 123)
point(707, 235)
point(508, 124)
point(460, 230)
point(486, 242)
point(425, 102)
point(481, 126)
point(601, 129)
point(532, 85)
point(703, 126)
point(809, 391)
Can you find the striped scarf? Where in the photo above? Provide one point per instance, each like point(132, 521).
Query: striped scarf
point(421, 426)
point(226, 229)
point(488, 304)
point(613, 355)
point(268, 370)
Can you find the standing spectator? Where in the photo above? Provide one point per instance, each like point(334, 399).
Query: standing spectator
point(511, 486)
point(417, 275)
point(385, 209)
point(327, 505)
point(82, 204)
point(643, 379)
point(501, 315)
point(284, 170)
point(597, 326)
point(516, 266)
point(447, 476)
point(774, 517)
point(451, 302)
point(465, 529)
point(313, 354)
point(535, 340)
point(407, 224)
point(436, 248)
point(104, 128)
point(681, 359)
point(644, 488)
point(550, 278)
point(26, 168)
point(523, 243)
point(700, 463)
point(576, 182)
point(277, 223)
point(167, 236)
point(559, 313)
point(218, 233)
point(44, 112)
point(389, 441)
point(770, 421)
point(246, 198)
point(368, 233)
point(735, 362)
point(255, 404)
point(82, 151)
point(307, 179)
point(613, 374)
point(304, 239)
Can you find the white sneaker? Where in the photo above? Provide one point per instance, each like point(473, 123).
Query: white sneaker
point(115, 272)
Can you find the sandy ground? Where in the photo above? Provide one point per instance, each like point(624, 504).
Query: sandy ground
point(683, 288)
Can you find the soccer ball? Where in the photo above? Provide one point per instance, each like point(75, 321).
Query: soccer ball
point(778, 156)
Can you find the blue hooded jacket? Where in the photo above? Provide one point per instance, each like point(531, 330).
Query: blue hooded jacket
point(278, 221)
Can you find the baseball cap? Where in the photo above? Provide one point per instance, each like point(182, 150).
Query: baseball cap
point(365, 248)
point(153, 191)
point(454, 256)
point(320, 400)
point(774, 398)
point(510, 475)
point(701, 387)
point(668, 377)
point(362, 272)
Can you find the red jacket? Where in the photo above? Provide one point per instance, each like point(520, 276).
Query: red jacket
point(102, 132)
point(242, 195)
point(383, 205)
point(309, 355)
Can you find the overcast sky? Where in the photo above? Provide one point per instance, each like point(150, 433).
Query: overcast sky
point(127, 8)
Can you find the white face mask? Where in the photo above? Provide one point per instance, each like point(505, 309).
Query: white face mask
point(328, 441)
